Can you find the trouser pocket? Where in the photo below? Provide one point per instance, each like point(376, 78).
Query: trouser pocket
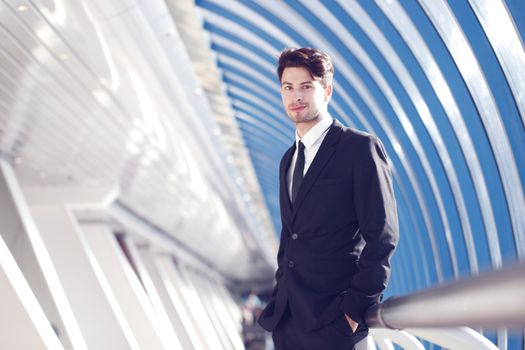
point(342, 326)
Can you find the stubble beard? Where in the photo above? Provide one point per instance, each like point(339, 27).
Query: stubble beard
point(308, 118)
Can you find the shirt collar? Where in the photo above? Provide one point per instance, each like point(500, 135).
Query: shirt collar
point(313, 135)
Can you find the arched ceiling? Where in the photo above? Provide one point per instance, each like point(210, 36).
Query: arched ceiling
point(176, 105)
point(102, 95)
point(441, 83)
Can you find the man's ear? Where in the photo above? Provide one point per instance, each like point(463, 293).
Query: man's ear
point(328, 92)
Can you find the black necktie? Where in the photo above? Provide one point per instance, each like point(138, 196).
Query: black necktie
point(298, 171)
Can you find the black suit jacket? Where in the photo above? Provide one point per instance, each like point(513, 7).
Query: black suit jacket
point(338, 237)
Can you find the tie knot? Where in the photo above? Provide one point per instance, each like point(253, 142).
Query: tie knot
point(301, 146)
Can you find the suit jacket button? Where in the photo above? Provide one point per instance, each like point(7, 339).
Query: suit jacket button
point(291, 264)
point(295, 236)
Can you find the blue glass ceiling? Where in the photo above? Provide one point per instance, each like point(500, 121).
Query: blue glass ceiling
point(441, 83)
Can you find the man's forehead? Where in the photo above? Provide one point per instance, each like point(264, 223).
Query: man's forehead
point(297, 71)
point(297, 78)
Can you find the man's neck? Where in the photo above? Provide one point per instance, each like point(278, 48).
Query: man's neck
point(303, 128)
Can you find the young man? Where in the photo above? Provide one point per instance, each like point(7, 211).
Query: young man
point(338, 213)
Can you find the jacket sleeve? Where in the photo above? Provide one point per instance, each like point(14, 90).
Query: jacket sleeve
point(284, 234)
point(280, 254)
point(376, 213)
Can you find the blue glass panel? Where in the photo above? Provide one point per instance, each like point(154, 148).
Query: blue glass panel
point(503, 98)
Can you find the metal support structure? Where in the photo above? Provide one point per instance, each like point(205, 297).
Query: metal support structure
point(404, 339)
point(384, 344)
point(461, 338)
point(57, 307)
point(28, 326)
point(440, 314)
point(125, 285)
point(491, 300)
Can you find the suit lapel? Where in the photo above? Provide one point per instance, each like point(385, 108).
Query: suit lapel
point(286, 205)
point(322, 157)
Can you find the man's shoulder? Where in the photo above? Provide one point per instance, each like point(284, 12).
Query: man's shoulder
point(357, 137)
point(362, 144)
point(287, 154)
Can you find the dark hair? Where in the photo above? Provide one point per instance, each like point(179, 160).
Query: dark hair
point(318, 63)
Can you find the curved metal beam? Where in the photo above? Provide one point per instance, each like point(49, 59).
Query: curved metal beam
point(450, 31)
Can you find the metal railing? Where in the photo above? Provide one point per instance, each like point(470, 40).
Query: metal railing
point(443, 314)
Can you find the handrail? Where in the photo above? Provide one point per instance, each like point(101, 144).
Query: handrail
point(495, 299)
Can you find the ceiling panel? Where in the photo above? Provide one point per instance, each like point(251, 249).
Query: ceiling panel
point(415, 73)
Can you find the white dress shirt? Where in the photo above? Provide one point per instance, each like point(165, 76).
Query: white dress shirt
point(312, 141)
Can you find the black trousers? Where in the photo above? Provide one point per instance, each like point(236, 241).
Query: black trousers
point(336, 335)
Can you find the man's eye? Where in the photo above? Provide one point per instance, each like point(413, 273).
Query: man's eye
point(287, 87)
point(307, 86)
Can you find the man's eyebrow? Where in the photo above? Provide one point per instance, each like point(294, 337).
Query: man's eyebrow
point(301, 83)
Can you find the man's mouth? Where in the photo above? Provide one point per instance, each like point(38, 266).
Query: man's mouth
point(297, 107)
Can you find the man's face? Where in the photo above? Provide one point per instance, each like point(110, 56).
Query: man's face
point(304, 98)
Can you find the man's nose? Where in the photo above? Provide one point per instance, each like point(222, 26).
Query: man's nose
point(298, 96)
